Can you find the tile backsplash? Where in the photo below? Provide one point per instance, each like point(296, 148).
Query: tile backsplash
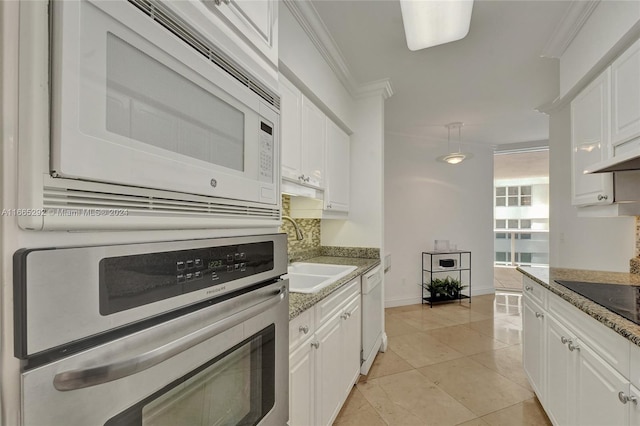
point(310, 228)
point(637, 236)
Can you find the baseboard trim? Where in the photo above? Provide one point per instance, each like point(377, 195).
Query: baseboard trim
point(392, 303)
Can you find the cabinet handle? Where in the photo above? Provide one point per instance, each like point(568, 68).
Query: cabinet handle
point(303, 329)
point(346, 315)
point(301, 177)
point(528, 287)
point(217, 2)
point(328, 206)
point(226, 1)
point(564, 340)
point(306, 179)
point(315, 345)
point(627, 398)
point(573, 347)
point(539, 315)
point(602, 197)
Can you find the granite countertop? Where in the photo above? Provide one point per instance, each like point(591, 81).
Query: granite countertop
point(547, 276)
point(300, 302)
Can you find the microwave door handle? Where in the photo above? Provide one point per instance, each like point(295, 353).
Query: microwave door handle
point(92, 376)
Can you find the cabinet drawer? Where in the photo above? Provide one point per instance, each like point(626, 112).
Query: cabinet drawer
point(608, 344)
point(328, 306)
point(301, 328)
point(534, 291)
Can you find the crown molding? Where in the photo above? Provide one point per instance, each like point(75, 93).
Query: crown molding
point(308, 18)
point(574, 18)
point(375, 88)
point(310, 21)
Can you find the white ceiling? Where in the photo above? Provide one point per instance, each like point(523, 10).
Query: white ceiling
point(492, 80)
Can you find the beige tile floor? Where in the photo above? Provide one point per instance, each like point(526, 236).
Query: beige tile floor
point(454, 364)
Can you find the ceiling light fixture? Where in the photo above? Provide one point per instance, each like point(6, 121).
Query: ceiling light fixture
point(458, 156)
point(429, 23)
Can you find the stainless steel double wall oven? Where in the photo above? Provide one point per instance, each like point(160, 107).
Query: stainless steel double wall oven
point(177, 333)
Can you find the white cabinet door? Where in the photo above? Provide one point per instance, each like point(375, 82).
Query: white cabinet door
point(301, 389)
point(625, 96)
point(634, 408)
point(313, 143)
point(291, 125)
point(590, 143)
point(560, 373)
point(533, 354)
point(337, 185)
point(329, 380)
point(596, 391)
point(256, 20)
point(352, 326)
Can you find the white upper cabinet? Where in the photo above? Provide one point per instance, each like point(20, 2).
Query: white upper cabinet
point(313, 143)
point(625, 96)
point(291, 129)
point(338, 148)
point(590, 143)
point(255, 20)
point(303, 137)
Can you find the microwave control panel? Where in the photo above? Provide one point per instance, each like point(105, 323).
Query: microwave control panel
point(134, 280)
point(266, 153)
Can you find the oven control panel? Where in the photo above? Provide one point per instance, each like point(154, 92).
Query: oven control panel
point(134, 280)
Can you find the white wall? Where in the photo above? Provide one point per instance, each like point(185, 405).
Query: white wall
point(427, 200)
point(301, 57)
point(579, 242)
point(365, 226)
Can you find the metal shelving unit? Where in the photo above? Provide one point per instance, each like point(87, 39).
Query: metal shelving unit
point(461, 271)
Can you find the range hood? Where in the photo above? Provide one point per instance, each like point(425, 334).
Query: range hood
point(619, 163)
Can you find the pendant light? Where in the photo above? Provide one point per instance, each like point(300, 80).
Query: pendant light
point(458, 156)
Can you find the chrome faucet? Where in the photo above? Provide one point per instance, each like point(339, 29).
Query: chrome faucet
point(299, 234)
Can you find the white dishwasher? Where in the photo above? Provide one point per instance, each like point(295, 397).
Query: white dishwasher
point(372, 312)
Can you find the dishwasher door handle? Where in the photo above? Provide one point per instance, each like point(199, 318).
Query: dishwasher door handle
point(92, 376)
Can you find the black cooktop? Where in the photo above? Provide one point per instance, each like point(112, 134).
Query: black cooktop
point(621, 299)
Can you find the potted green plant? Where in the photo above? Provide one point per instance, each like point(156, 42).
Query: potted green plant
point(437, 287)
point(453, 287)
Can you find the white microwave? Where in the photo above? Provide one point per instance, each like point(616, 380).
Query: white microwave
point(148, 117)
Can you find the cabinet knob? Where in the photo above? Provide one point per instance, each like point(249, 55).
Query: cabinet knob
point(564, 340)
point(602, 197)
point(573, 347)
point(303, 329)
point(346, 315)
point(217, 2)
point(627, 398)
point(226, 1)
point(539, 315)
point(315, 344)
point(528, 287)
point(328, 206)
point(301, 177)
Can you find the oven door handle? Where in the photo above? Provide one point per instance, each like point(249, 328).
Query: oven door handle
point(92, 376)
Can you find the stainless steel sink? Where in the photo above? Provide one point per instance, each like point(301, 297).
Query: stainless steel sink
point(313, 277)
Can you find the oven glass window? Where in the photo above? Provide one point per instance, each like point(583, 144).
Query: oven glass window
point(235, 388)
point(149, 102)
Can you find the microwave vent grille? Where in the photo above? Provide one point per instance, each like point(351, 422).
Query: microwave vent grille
point(200, 44)
point(74, 201)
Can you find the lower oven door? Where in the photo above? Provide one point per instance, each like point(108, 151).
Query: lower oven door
point(226, 364)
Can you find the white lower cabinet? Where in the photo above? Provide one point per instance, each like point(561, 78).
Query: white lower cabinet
point(533, 343)
point(585, 365)
point(560, 373)
point(597, 391)
point(301, 389)
point(324, 366)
